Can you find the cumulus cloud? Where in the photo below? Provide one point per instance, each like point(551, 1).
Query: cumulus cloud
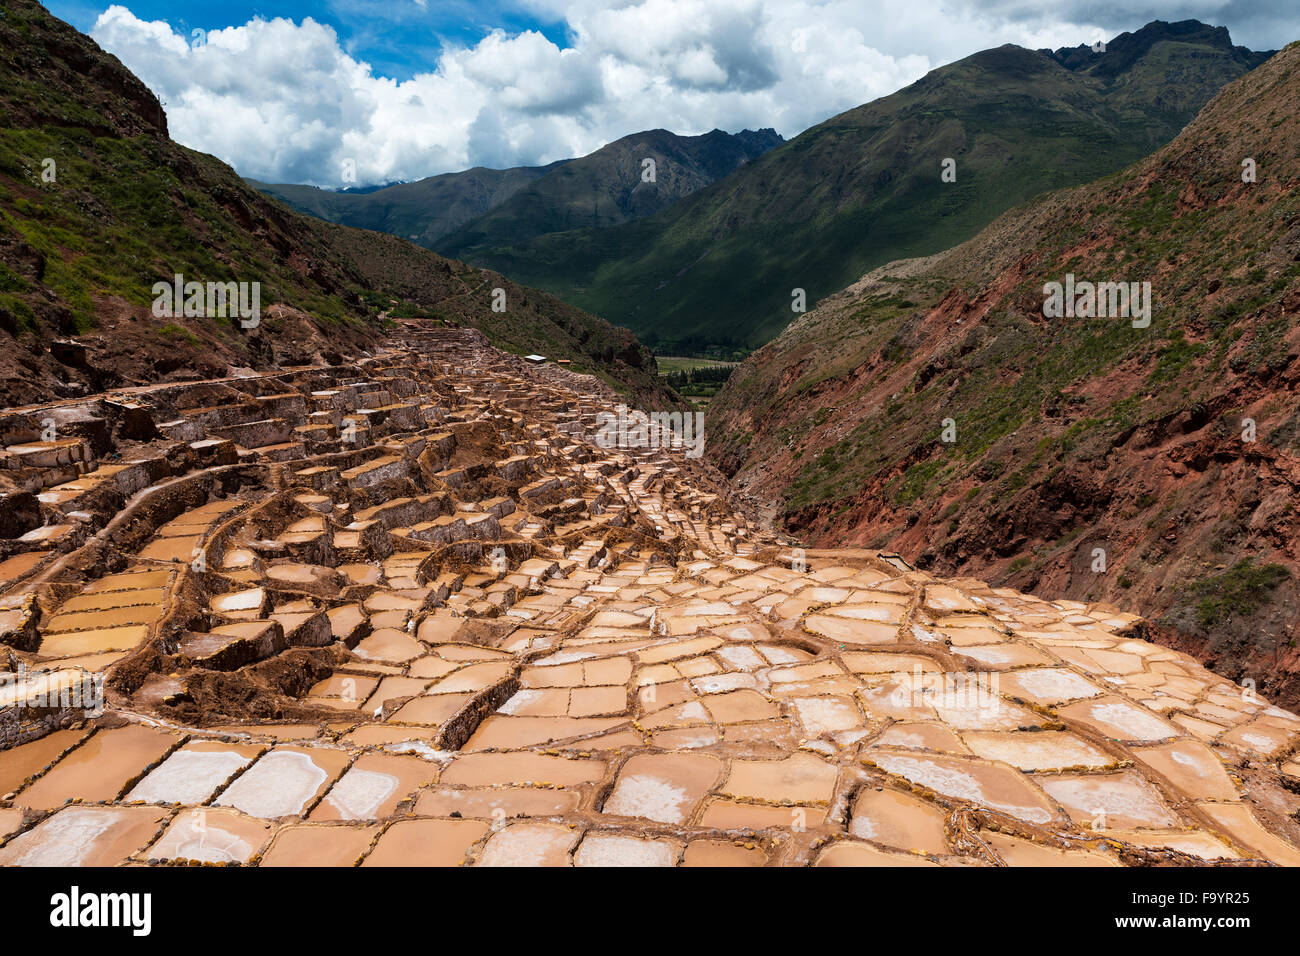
point(285, 102)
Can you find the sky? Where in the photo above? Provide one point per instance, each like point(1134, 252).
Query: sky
point(350, 92)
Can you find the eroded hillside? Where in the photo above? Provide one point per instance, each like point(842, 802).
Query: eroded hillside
point(1157, 466)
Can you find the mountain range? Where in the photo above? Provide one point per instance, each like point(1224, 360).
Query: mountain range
point(865, 187)
point(740, 233)
point(459, 213)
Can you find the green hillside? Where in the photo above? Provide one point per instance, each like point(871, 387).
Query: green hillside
point(422, 211)
point(864, 187)
point(613, 185)
point(97, 204)
point(455, 213)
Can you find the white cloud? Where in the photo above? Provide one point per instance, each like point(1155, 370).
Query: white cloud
point(283, 101)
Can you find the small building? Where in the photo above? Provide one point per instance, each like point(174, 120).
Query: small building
point(535, 359)
point(563, 361)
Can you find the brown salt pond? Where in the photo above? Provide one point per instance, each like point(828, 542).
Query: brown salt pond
point(485, 770)
point(1113, 799)
point(179, 549)
point(373, 787)
point(799, 778)
point(1190, 766)
point(529, 844)
point(1048, 685)
point(100, 767)
point(1017, 852)
point(472, 678)
point(432, 711)
point(319, 845)
point(1119, 719)
point(498, 732)
point(1041, 750)
point(383, 735)
point(105, 600)
point(352, 689)
point(84, 836)
point(898, 820)
point(665, 788)
point(721, 853)
point(18, 566)
point(850, 853)
point(426, 843)
point(605, 849)
point(95, 641)
point(849, 631)
point(979, 782)
point(495, 802)
point(725, 814)
point(26, 760)
point(389, 644)
point(1195, 843)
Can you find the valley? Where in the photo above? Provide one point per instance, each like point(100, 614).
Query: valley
point(419, 612)
point(513, 517)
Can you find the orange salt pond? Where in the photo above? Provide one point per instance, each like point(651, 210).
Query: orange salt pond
point(426, 843)
point(211, 836)
point(319, 845)
point(99, 768)
point(84, 836)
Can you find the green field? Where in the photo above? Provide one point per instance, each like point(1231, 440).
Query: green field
point(681, 363)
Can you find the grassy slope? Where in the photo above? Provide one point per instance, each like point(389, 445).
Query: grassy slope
point(129, 207)
point(863, 188)
point(456, 213)
point(422, 211)
point(1072, 434)
point(606, 187)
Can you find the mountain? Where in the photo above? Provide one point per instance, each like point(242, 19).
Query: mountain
point(864, 187)
point(456, 213)
point(613, 185)
point(934, 407)
point(97, 204)
point(422, 211)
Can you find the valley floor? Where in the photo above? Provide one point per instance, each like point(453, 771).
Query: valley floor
point(410, 611)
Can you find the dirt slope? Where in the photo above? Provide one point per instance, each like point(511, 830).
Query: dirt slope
point(1167, 454)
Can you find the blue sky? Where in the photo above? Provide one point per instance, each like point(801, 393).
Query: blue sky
point(364, 91)
point(399, 39)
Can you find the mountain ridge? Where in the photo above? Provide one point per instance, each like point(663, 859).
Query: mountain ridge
point(433, 211)
point(863, 187)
